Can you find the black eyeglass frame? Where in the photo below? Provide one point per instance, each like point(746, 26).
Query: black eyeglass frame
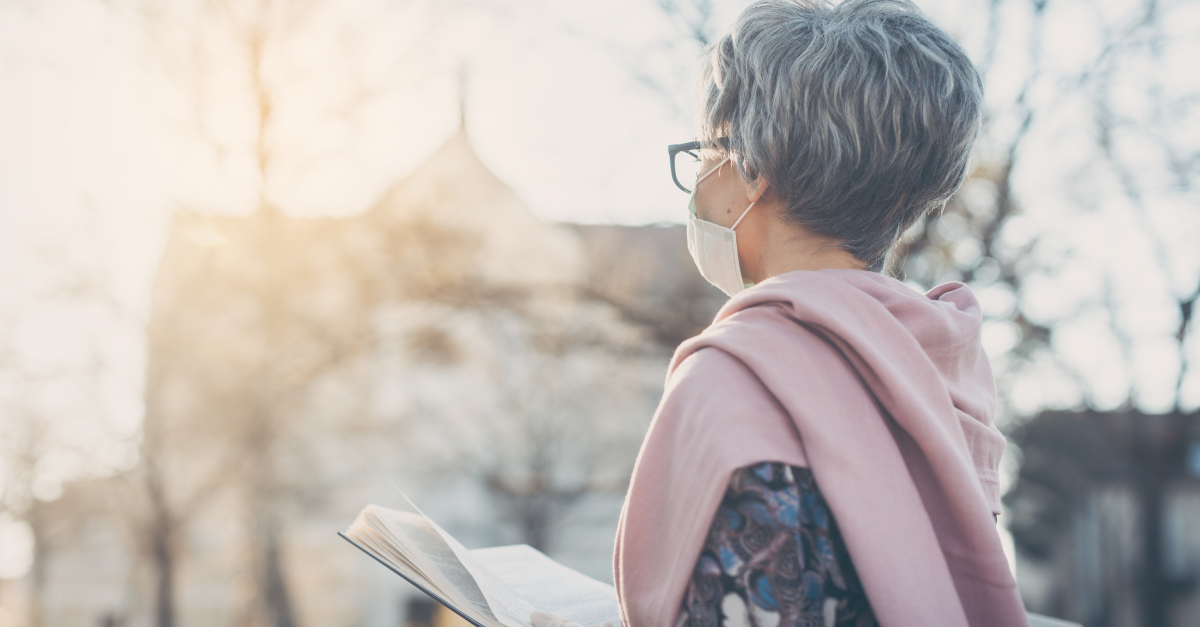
point(719, 144)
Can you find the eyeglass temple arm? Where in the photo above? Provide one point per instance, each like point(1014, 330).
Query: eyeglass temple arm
point(675, 149)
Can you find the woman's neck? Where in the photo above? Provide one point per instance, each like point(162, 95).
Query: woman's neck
point(778, 247)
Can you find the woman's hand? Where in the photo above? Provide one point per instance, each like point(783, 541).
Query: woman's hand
point(542, 619)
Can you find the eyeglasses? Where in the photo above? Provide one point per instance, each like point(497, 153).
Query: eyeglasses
point(686, 162)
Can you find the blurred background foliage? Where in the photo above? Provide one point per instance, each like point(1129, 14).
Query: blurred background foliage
point(214, 286)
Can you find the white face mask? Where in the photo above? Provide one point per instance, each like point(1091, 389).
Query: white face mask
point(714, 247)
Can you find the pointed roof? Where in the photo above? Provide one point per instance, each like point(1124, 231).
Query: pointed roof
point(454, 190)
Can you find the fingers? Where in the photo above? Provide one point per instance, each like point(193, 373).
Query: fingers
point(542, 619)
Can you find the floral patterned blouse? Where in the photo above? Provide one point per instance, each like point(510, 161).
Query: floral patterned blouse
point(774, 558)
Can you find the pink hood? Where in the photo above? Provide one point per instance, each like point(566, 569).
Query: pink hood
point(885, 393)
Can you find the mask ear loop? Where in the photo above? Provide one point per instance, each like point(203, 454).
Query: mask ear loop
point(709, 173)
point(739, 220)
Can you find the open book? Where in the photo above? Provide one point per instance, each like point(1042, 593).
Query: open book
point(496, 587)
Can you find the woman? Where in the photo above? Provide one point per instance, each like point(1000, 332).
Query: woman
point(824, 452)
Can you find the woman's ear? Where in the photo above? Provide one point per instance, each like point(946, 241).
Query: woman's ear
point(756, 188)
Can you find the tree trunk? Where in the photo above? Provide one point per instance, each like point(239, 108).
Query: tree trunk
point(276, 601)
point(533, 516)
point(164, 567)
point(161, 527)
point(37, 571)
point(1154, 593)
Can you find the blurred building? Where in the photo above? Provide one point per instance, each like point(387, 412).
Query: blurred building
point(12, 602)
point(1106, 518)
point(499, 369)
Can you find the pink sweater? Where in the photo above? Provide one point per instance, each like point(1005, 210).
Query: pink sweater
point(886, 394)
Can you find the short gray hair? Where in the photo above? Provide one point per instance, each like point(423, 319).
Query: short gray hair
point(861, 115)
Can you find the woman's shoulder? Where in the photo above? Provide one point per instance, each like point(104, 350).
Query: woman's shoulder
point(711, 384)
point(717, 410)
point(711, 369)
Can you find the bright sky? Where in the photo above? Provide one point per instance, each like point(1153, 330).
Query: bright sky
point(570, 103)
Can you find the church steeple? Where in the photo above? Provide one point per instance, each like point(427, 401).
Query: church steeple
point(462, 98)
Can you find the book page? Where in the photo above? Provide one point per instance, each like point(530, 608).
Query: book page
point(499, 586)
point(551, 587)
point(384, 548)
point(427, 540)
point(509, 608)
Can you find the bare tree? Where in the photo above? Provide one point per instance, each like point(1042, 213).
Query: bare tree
point(242, 402)
point(237, 342)
point(52, 414)
point(1134, 46)
point(26, 440)
point(34, 435)
point(557, 415)
point(1129, 60)
point(568, 435)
